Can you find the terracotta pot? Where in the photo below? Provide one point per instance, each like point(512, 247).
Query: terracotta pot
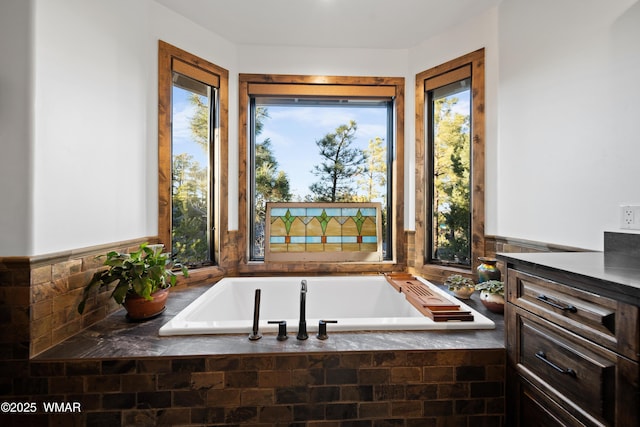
point(493, 302)
point(139, 308)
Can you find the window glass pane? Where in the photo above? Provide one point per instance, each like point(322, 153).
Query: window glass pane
point(450, 136)
point(191, 174)
point(308, 150)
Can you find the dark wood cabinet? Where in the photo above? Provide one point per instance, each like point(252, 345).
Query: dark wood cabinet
point(572, 353)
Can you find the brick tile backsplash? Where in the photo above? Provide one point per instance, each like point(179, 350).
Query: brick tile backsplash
point(247, 390)
point(39, 298)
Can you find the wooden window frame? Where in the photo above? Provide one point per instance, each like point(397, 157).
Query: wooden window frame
point(321, 86)
point(474, 60)
point(171, 58)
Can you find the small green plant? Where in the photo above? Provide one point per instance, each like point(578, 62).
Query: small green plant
point(142, 272)
point(491, 287)
point(457, 281)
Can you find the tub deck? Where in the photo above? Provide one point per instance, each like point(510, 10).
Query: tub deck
point(115, 337)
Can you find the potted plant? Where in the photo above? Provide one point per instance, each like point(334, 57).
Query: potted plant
point(142, 278)
point(492, 295)
point(461, 286)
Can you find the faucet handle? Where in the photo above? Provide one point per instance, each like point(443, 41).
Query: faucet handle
point(282, 329)
point(322, 329)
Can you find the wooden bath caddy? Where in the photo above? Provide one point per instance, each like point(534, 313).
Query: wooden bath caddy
point(435, 306)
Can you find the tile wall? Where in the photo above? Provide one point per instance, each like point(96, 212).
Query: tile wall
point(394, 388)
point(39, 298)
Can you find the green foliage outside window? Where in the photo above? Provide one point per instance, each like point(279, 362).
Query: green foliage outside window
point(190, 193)
point(451, 199)
point(340, 164)
point(271, 184)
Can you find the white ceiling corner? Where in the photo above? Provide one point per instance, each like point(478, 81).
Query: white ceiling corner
point(375, 24)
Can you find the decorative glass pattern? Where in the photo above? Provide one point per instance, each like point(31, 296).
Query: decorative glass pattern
point(314, 231)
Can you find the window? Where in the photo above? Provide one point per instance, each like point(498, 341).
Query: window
point(312, 139)
point(346, 145)
point(450, 163)
point(192, 99)
point(449, 159)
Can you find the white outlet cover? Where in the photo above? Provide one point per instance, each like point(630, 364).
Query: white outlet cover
point(630, 217)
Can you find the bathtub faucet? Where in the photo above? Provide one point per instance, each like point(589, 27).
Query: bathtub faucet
point(255, 335)
point(302, 326)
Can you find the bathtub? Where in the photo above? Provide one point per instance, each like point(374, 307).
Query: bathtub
point(358, 303)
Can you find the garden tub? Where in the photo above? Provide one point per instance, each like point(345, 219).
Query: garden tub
point(358, 303)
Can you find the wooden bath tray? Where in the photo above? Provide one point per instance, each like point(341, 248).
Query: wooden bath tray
point(427, 302)
point(397, 280)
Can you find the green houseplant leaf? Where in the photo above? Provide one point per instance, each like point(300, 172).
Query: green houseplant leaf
point(492, 287)
point(141, 272)
point(457, 281)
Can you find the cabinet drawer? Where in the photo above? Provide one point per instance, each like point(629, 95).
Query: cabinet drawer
point(607, 322)
point(527, 406)
point(593, 384)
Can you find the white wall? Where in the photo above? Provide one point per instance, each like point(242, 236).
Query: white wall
point(568, 118)
point(16, 121)
point(91, 68)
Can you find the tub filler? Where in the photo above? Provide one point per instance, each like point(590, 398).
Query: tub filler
point(358, 303)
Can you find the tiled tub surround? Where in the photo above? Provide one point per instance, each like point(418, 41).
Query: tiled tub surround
point(125, 374)
point(39, 296)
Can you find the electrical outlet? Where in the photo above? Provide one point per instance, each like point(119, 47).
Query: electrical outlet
point(630, 217)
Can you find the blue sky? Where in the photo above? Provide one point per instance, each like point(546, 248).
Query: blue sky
point(183, 110)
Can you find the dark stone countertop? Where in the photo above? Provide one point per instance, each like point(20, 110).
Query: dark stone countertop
point(116, 337)
point(614, 275)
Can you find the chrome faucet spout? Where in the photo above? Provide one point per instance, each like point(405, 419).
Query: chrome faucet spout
point(302, 325)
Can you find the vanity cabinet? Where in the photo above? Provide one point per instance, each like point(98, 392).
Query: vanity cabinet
point(573, 353)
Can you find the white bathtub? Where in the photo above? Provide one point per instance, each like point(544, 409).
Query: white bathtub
point(358, 303)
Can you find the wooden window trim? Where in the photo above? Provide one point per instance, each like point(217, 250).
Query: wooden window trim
point(432, 78)
point(171, 58)
point(444, 79)
point(364, 87)
point(196, 73)
point(314, 90)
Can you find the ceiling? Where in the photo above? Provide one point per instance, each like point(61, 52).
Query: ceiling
point(378, 24)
